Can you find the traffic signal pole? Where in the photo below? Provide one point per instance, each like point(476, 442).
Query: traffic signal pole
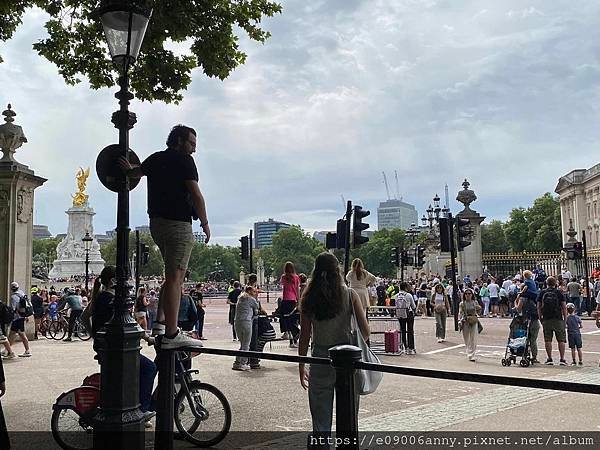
point(250, 251)
point(402, 265)
point(453, 271)
point(587, 273)
point(347, 243)
point(137, 261)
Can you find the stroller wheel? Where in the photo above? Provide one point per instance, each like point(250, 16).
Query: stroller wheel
point(508, 362)
point(524, 363)
point(504, 362)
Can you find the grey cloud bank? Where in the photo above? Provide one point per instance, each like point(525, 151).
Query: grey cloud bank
point(503, 93)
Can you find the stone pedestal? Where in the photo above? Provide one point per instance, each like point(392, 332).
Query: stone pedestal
point(17, 185)
point(70, 251)
point(470, 258)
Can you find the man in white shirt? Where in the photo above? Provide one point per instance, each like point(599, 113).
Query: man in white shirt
point(494, 290)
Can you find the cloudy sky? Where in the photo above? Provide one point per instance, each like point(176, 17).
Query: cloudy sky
point(503, 93)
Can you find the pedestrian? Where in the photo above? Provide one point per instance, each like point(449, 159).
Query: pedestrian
point(528, 307)
point(422, 301)
point(552, 310)
point(174, 199)
point(37, 303)
point(574, 326)
point(494, 291)
point(441, 308)
point(326, 310)
point(141, 308)
point(405, 312)
point(73, 302)
point(152, 308)
point(198, 298)
point(245, 311)
point(468, 312)
point(4, 439)
point(232, 298)
point(290, 283)
point(18, 302)
point(359, 279)
point(484, 293)
point(574, 292)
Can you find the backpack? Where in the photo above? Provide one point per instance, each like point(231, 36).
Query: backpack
point(188, 314)
point(551, 300)
point(7, 314)
point(25, 308)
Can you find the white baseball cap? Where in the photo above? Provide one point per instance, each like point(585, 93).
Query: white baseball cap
point(14, 285)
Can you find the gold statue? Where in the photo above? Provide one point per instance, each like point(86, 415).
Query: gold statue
point(80, 198)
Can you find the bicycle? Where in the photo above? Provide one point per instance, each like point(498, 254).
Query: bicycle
point(58, 328)
point(202, 413)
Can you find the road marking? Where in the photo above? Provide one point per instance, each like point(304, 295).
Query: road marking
point(444, 349)
point(592, 332)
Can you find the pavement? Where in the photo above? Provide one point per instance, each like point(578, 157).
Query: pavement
point(271, 400)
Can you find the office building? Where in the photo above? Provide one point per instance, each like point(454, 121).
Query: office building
point(264, 231)
point(396, 214)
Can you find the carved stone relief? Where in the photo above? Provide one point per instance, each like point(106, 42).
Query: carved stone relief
point(24, 204)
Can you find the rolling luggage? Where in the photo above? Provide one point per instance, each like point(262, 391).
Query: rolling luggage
point(392, 341)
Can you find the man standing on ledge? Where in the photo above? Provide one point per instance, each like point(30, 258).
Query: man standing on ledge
point(174, 199)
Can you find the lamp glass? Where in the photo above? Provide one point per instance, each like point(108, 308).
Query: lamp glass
point(116, 30)
point(87, 241)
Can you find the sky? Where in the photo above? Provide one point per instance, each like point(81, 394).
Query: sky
point(505, 94)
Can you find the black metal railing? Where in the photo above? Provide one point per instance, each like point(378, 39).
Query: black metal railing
point(345, 359)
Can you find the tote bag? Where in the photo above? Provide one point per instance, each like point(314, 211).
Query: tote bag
point(367, 380)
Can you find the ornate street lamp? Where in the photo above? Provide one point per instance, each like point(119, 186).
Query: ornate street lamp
point(119, 423)
point(87, 244)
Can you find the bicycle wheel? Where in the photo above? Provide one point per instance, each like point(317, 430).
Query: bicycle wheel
point(81, 331)
point(57, 330)
point(70, 430)
point(208, 421)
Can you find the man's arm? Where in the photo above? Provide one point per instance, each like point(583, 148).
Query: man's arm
point(130, 170)
point(199, 205)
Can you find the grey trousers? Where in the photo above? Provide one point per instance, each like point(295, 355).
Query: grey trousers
point(440, 325)
point(321, 388)
point(243, 329)
point(534, 330)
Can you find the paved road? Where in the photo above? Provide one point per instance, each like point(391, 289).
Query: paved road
point(271, 399)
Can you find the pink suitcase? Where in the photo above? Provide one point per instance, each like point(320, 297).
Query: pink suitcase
point(392, 341)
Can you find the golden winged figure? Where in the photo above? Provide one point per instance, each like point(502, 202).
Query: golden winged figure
point(80, 198)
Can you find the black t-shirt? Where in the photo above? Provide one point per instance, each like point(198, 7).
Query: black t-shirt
point(168, 196)
point(233, 296)
point(37, 303)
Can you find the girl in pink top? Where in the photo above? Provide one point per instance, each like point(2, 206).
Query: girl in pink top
point(291, 285)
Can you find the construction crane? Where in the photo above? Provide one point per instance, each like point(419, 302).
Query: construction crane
point(343, 201)
point(397, 186)
point(387, 188)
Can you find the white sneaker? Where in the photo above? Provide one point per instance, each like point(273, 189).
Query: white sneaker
point(10, 356)
point(241, 368)
point(158, 329)
point(179, 341)
point(25, 354)
point(3, 353)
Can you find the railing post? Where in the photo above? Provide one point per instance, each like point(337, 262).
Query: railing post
point(343, 358)
point(163, 435)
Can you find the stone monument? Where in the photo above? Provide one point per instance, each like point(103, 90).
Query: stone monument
point(470, 259)
point(70, 252)
point(17, 185)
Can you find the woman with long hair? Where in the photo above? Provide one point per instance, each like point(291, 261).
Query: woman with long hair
point(441, 309)
point(468, 313)
point(359, 280)
point(141, 308)
point(325, 313)
point(290, 282)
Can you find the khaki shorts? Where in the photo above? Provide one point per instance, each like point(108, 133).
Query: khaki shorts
point(175, 241)
point(556, 327)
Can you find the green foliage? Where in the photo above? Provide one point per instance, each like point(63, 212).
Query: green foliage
point(377, 253)
point(211, 258)
point(77, 47)
point(155, 266)
point(534, 229)
point(292, 244)
point(493, 237)
point(43, 251)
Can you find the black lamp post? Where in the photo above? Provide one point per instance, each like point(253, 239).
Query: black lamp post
point(120, 423)
point(87, 243)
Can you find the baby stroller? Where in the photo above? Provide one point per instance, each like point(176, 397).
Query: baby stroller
point(518, 342)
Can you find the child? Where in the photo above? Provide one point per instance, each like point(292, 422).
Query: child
point(573, 333)
point(529, 289)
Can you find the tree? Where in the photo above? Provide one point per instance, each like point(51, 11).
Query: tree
point(377, 253)
point(293, 244)
point(516, 230)
point(76, 42)
point(493, 237)
point(214, 262)
point(155, 266)
point(543, 224)
point(43, 254)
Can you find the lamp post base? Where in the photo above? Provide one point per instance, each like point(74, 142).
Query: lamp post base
point(119, 424)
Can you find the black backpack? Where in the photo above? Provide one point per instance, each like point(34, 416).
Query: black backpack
point(551, 300)
point(7, 314)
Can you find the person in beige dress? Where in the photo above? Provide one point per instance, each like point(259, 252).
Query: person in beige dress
point(360, 279)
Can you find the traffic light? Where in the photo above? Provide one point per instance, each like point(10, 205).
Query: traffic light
point(341, 234)
point(358, 226)
point(462, 233)
point(405, 260)
point(144, 253)
point(420, 256)
point(330, 240)
point(245, 247)
point(575, 252)
point(396, 256)
point(445, 235)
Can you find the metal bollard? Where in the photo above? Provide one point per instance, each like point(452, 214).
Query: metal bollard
point(343, 358)
point(163, 435)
